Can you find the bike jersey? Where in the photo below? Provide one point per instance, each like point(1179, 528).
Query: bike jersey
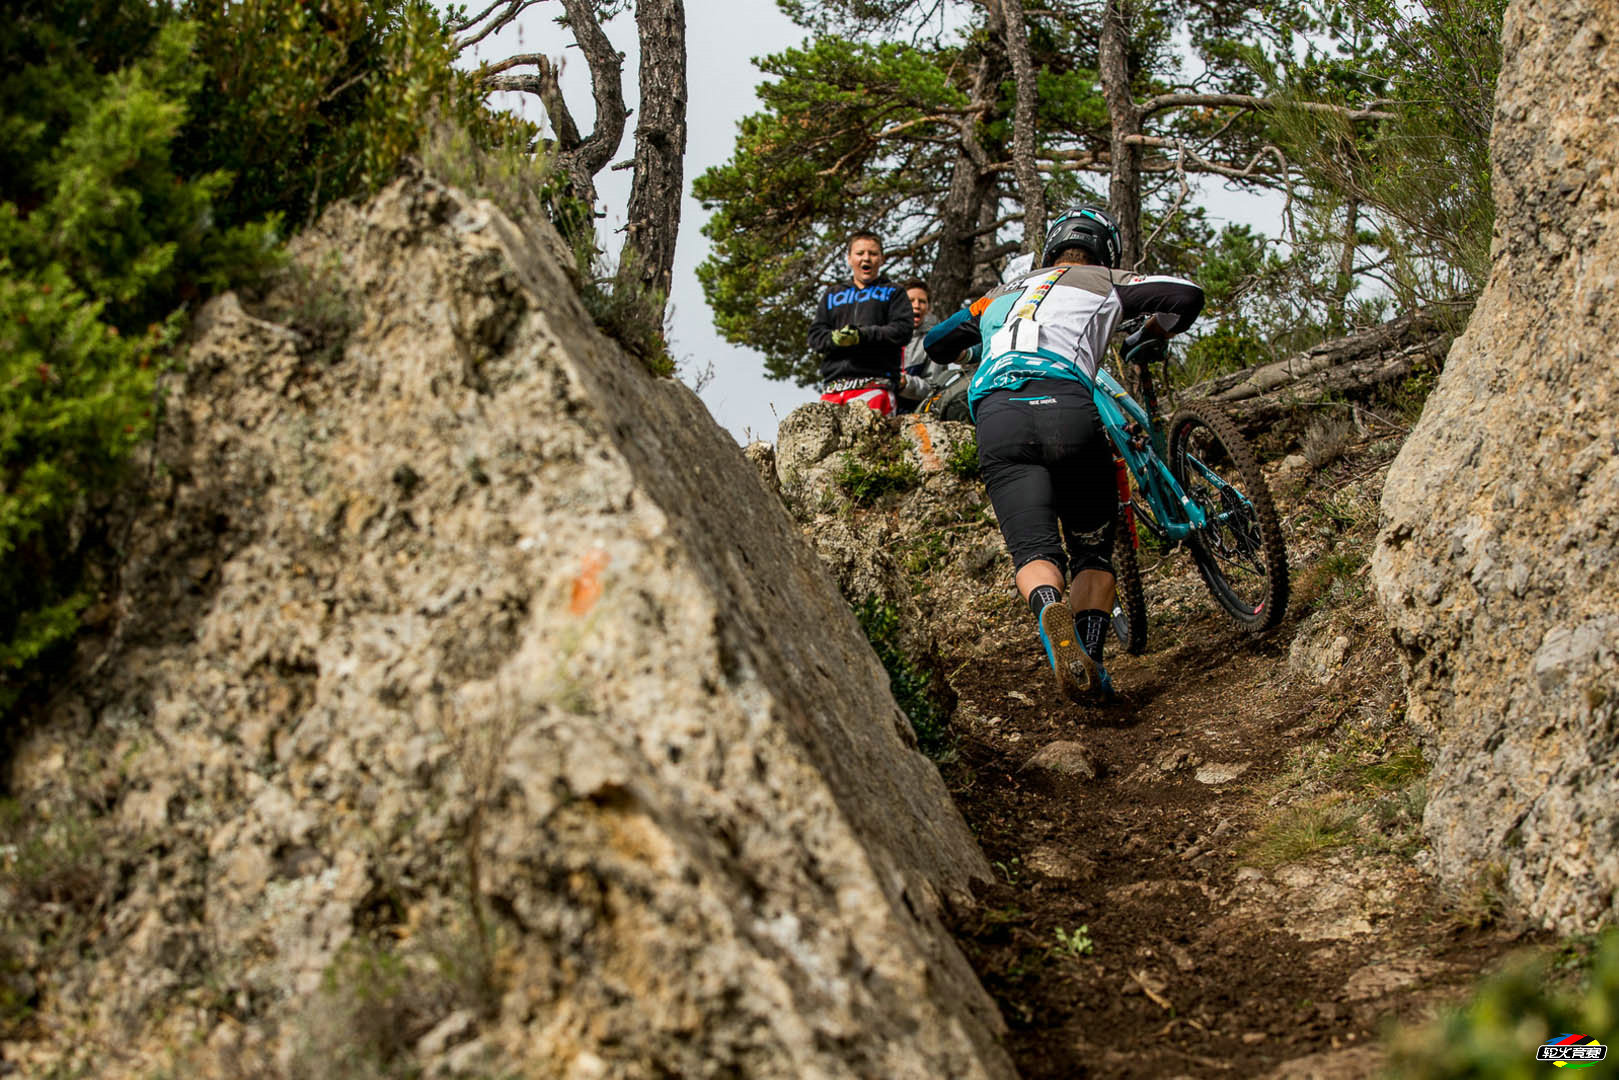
point(1055, 323)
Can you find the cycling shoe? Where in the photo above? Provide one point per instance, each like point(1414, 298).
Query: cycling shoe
point(1074, 670)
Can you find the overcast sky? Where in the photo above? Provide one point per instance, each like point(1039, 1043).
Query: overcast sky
point(722, 38)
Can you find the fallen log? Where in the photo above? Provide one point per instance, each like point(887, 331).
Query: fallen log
point(1348, 367)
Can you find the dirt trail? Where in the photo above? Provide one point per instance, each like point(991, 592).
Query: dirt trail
point(1247, 910)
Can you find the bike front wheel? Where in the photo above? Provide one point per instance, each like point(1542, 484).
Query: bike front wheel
point(1240, 552)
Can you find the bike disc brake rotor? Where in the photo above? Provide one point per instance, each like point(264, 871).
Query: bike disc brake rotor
point(1232, 534)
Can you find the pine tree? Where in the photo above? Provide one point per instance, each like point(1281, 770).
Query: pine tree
point(98, 235)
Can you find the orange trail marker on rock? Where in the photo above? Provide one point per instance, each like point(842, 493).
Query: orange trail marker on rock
point(930, 460)
point(587, 588)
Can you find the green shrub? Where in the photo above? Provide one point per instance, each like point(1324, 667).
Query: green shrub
point(1230, 346)
point(912, 685)
point(148, 155)
point(872, 473)
point(306, 103)
point(962, 460)
point(100, 237)
point(625, 309)
point(1494, 1036)
point(60, 875)
point(925, 555)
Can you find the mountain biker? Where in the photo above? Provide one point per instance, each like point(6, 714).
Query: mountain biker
point(1042, 450)
point(861, 329)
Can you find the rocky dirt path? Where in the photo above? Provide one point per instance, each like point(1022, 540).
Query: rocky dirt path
point(1219, 874)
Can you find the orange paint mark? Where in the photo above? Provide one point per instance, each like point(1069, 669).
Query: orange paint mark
point(587, 587)
point(930, 460)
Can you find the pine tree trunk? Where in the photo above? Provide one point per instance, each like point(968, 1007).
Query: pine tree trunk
point(1124, 189)
point(660, 144)
point(1346, 267)
point(588, 156)
point(1030, 183)
point(951, 281)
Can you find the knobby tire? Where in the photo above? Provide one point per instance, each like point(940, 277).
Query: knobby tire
point(1243, 563)
point(1130, 597)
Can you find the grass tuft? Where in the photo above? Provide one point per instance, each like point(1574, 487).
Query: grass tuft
point(913, 687)
point(1306, 829)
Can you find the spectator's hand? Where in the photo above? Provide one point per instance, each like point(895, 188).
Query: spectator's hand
point(845, 336)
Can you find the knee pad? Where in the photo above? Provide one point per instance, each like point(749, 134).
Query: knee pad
point(1058, 557)
point(1092, 549)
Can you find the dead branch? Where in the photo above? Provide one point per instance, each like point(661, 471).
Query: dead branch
point(1353, 365)
point(1254, 103)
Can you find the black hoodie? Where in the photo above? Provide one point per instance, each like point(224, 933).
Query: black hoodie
point(880, 311)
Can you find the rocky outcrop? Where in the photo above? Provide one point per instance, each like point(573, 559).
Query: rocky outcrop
point(882, 500)
point(474, 708)
point(1498, 563)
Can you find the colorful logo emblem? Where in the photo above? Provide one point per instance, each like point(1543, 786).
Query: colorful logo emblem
point(1571, 1051)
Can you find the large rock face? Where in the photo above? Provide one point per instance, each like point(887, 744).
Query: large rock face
point(476, 708)
point(1498, 565)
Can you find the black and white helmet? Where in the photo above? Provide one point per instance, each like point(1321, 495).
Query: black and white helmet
point(1088, 228)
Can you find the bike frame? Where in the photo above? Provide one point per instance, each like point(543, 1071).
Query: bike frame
point(1174, 515)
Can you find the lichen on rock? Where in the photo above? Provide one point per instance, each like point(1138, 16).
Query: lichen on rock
point(475, 708)
point(1498, 562)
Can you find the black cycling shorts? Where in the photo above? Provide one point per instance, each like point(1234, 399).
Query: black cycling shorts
point(1048, 464)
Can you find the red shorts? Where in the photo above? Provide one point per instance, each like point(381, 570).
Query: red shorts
point(878, 397)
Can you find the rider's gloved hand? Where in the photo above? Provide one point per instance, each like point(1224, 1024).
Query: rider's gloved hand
point(845, 336)
point(1141, 335)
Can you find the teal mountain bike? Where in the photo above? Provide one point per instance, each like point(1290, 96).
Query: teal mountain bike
point(1195, 483)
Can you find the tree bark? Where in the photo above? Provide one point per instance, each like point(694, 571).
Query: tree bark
point(1030, 182)
point(1345, 283)
point(591, 154)
point(660, 145)
point(1124, 116)
point(971, 181)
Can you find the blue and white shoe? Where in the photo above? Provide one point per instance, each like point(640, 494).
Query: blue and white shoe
point(1104, 682)
point(1075, 671)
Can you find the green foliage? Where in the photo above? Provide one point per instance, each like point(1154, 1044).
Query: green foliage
point(625, 309)
point(806, 172)
point(858, 130)
point(1416, 187)
point(1494, 1036)
point(60, 876)
point(911, 684)
point(962, 460)
point(372, 1008)
point(100, 233)
point(305, 103)
point(925, 555)
point(1411, 394)
point(503, 170)
point(148, 154)
point(1075, 942)
point(1302, 830)
point(1229, 346)
point(867, 476)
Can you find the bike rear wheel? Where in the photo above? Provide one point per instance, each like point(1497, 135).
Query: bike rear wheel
point(1129, 597)
point(1240, 554)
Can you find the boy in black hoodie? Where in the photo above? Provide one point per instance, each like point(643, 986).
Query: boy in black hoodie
point(861, 331)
